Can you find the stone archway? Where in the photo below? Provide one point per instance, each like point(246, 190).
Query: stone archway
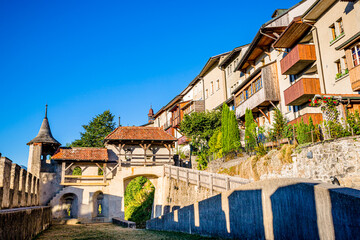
point(99, 205)
point(69, 205)
point(138, 199)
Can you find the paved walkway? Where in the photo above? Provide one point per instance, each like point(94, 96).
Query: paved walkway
point(107, 231)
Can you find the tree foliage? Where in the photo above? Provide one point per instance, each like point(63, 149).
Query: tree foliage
point(230, 130)
point(95, 132)
point(200, 126)
point(138, 200)
point(250, 131)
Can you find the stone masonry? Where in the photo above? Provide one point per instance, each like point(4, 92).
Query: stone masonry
point(320, 161)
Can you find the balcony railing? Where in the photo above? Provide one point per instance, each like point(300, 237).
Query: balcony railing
point(302, 91)
point(263, 93)
point(316, 117)
point(194, 106)
point(298, 59)
point(355, 78)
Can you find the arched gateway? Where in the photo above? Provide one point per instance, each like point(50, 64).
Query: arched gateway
point(99, 191)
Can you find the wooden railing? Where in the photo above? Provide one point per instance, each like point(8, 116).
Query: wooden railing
point(212, 181)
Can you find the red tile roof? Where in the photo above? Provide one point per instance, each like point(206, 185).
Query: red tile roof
point(83, 154)
point(140, 133)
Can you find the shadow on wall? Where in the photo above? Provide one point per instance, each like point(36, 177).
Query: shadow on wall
point(294, 212)
point(299, 210)
point(209, 217)
point(345, 212)
point(97, 207)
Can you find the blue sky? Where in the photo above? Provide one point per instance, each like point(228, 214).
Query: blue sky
point(84, 57)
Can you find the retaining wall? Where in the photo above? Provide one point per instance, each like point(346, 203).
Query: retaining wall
point(271, 209)
point(320, 161)
point(18, 188)
point(24, 223)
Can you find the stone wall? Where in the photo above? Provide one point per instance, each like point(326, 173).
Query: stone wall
point(320, 161)
point(271, 209)
point(24, 223)
point(18, 188)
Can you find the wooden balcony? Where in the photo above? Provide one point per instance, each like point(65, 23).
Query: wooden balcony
point(266, 96)
point(302, 91)
point(355, 78)
point(298, 59)
point(316, 117)
point(194, 106)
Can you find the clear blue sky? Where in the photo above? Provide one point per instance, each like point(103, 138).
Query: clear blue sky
point(83, 57)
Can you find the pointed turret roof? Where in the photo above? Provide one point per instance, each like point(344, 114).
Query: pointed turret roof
point(44, 135)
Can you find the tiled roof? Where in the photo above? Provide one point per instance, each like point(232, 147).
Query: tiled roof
point(140, 133)
point(83, 154)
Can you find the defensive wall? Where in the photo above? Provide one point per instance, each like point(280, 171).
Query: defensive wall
point(270, 209)
point(20, 215)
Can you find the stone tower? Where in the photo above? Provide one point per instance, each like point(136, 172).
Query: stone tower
point(151, 115)
point(41, 146)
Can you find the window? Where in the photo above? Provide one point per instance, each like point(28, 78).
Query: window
point(258, 84)
point(333, 32)
point(356, 55)
point(338, 66)
point(217, 84)
point(340, 26)
point(206, 93)
point(344, 62)
point(336, 30)
point(212, 88)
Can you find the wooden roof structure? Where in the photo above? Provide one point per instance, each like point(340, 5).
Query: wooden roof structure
point(81, 154)
point(139, 134)
point(261, 43)
point(291, 35)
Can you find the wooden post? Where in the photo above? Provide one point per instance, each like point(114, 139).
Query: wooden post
point(227, 187)
point(187, 177)
point(177, 174)
point(312, 136)
point(170, 172)
point(63, 172)
point(211, 183)
point(104, 172)
point(198, 178)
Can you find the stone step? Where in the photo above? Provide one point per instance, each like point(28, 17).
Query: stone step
point(124, 223)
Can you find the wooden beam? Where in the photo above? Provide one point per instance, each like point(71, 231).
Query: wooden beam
point(84, 176)
point(68, 166)
point(85, 184)
point(63, 172)
point(268, 118)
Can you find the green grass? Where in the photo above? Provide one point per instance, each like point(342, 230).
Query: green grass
point(108, 231)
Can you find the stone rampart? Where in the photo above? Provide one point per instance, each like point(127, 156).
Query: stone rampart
point(18, 188)
point(271, 209)
point(24, 223)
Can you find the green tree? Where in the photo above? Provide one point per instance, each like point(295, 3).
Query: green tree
point(234, 134)
point(199, 127)
point(250, 131)
point(215, 144)
point(230, 130)
point(279, 127)
point(138, 200)
point(95, 132)
point(225, 116)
